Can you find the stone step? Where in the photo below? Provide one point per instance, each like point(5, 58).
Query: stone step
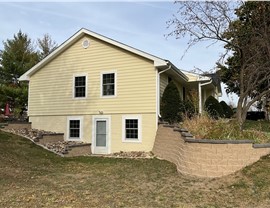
point(83, 149)
point(50, 138)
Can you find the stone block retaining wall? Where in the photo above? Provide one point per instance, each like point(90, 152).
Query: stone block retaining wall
point(79, 150)
point(206, 158)
point(17, 126)
point(51, 138)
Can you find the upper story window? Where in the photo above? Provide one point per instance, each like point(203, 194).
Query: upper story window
point(80, 83)
point(108, 84)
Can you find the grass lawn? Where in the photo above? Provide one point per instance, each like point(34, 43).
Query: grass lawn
point(258, 125)
point(33, 177)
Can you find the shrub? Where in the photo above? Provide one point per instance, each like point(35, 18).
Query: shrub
point(187, 109)
point(228, 112)
point(170, 104)
point(213, 108)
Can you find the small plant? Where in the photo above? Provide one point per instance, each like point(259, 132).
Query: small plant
point(193, 98)
point(187, 109)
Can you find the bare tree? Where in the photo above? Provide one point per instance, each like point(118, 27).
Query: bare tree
point(202, 21)
point(244, 29)
point(46, 46)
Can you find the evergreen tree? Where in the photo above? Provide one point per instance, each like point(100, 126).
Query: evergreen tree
point(16, 58)
point(170, 104)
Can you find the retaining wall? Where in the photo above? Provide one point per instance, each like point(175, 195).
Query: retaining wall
point(79, 150)
point(206, 158)
point(51, 138)
point(18, 125)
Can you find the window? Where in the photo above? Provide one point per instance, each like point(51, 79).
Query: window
point(131, 129)
point(80, 87)
point(169, 79)
point(108, 82)
point(74, 128)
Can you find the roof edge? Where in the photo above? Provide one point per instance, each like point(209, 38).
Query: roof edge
point(158, 62)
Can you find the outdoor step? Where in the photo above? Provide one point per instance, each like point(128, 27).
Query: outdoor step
point(180, 130)
point(186, 134)
point(163, 122)
point(3, 125)
point(79, 150)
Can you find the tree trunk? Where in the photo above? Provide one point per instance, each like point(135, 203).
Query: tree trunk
point(241, 113)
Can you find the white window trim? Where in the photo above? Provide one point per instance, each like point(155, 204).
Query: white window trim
point(101, 118)
point(139, 118)
point(86, 85)
point(115, 84)
point(80, 118)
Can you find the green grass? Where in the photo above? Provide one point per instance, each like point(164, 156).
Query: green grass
point(33, 177)
point(258, 125)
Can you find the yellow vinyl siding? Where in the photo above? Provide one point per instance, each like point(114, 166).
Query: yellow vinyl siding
point(59, 124)
point(49, 123)
point(163, 83)
point(148, 134)
point(51, 88)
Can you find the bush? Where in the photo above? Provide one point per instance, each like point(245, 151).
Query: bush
point(228, 112)
point(213, 108)
point(187, 109)
point(170, 104)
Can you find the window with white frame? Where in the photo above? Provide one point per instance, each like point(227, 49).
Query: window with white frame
point(80, 86)
point(108, 87)
point(74, 128)
point(131, 127)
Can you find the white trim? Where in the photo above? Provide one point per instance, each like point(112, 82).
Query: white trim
point(200, 85)
point(159, 73)
point(80, 118)
point(101, 84)
point(86, 85)
point(26, 76)
point(28, 109)
point(139, 118)
point(108, 128)
point(157, 97)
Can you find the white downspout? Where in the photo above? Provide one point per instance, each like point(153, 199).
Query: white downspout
point(158, 89)
point(200, 94)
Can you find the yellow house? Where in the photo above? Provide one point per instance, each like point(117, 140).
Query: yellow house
point(100, 91)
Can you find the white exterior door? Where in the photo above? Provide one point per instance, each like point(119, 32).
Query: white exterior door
point(101, 135)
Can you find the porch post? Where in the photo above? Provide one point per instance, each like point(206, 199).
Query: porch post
point(200, 97)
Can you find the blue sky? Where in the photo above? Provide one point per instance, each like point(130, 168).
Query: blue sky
point(136, 23)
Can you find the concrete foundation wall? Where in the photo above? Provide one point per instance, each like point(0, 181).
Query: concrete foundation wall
point(205, 158)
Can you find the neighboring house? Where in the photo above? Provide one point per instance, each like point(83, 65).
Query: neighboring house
point(100, 91)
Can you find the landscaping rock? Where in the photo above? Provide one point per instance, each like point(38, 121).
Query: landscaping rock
point(35, 135)
point(132, 154)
